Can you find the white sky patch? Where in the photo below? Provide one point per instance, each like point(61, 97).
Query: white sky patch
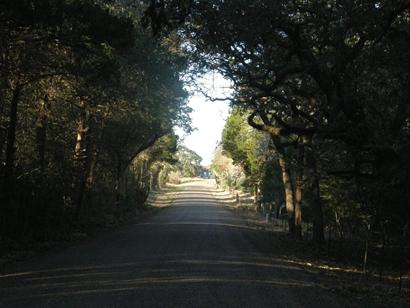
point(208, 118)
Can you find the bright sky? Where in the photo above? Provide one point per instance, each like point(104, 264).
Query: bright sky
point(208, 118)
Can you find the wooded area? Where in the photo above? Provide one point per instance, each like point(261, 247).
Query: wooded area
point(320, 122)
point(88, 102)
point(327, 82)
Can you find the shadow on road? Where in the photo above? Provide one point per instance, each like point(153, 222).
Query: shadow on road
point(192, 254)
point(172, 271)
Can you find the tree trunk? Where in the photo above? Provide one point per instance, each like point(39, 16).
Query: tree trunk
point(286, 178)
point(366, 249)
point(316, 202)
point(3, 88)
point(11, 139)
point(83, 156)
point(144, 179)
point(41, 133)
point(154, 181)
point(82, 129)
point(287, 183)
point(256, 197)
point(299, 191)
point(298, 209)
point(90, 166)
point(277, 203)
point(117, 187)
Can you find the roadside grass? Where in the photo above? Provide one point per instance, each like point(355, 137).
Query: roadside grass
point(157, 200)
point(337, 274)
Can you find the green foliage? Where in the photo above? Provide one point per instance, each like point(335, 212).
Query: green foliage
point(227, 175)
point(189, 162)
point(246, 147)
point(326, 80)
point(250, 149)
point(88, 100)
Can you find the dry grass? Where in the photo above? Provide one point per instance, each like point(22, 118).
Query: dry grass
point(342, 278)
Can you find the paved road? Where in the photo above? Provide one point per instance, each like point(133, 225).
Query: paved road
point(193, 254)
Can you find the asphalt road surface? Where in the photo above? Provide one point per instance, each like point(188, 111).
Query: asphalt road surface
point(192, 254)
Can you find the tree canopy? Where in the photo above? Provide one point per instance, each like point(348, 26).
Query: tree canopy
point(327, 81)
point(90, 92)
point(88, 101)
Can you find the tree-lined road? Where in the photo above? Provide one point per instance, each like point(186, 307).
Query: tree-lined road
point(192, 254)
